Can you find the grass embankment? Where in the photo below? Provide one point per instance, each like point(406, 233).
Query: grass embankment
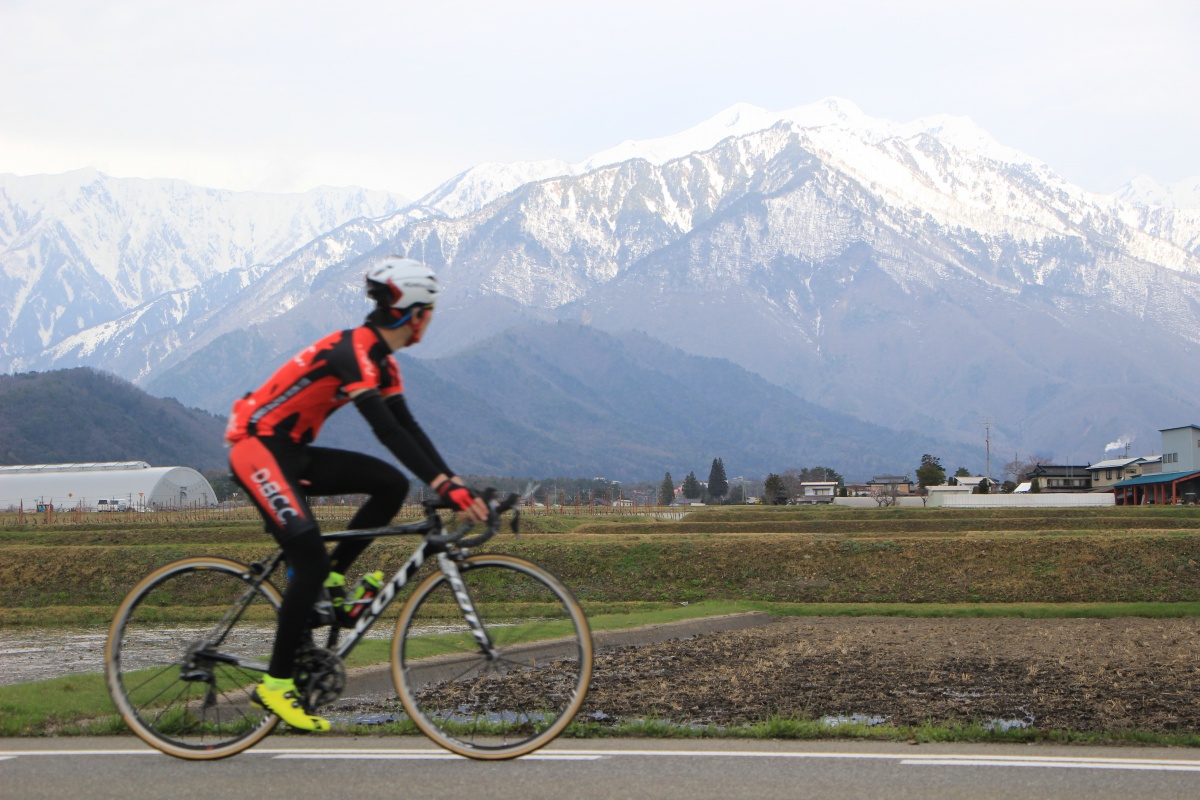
point(999, 567)
point(785, 555)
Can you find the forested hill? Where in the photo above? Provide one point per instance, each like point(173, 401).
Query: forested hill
point(83, 415)
point(556, 399)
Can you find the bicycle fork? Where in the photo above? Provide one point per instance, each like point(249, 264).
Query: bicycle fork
point(450, 569)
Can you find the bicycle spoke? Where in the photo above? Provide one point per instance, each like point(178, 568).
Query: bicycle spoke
point(480, 664)
point(216, 707)
point(169, 706)
point(163, 691)
point(152, 677)
point(231, 618)
point(246, 675)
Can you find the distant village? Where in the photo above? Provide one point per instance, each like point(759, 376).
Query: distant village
point(1171, 478)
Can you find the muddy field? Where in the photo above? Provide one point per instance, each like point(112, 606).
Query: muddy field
point(1084, 675)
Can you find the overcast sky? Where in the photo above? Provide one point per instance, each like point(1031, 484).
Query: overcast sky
point(284, 95)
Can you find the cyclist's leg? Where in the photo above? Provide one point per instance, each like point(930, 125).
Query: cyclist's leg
point(270, 476)
point(332, 472)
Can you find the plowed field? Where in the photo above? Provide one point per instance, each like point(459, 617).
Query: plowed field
point(1084, 674)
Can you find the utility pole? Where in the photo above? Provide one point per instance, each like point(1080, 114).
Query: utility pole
point(987, 438)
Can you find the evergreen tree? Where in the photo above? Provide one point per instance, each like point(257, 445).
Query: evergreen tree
point(774, 491)
point(691, 487)
point(820, 473)
point(718, 484)
point(666, 491)
point(931, 472)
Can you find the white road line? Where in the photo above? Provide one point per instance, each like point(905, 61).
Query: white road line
point(933, 760)
point(19, 753)
point(443, 756)
point(1045, 763)
point(999, 760)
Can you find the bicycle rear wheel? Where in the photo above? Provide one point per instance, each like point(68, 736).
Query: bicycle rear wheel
point(517, 698)
point(184, 651)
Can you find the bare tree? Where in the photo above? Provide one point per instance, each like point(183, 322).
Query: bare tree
point(791, 482)
point(1021, 469)
point(885, 496)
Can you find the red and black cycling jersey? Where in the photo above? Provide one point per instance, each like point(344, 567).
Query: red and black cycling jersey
point(300, 396)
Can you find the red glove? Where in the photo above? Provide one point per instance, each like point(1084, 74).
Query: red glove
point(462, 497)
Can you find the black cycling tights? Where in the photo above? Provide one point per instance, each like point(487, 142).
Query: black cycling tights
point(279, 476)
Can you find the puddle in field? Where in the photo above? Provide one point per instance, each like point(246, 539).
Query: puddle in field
point(853, 719)
point(33, 654)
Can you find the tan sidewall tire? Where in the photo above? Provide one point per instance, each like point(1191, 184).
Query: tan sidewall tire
point(550, 733)
point(114, 686)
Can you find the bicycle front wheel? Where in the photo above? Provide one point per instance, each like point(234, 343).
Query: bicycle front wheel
point(184, 651)
point(511, 698)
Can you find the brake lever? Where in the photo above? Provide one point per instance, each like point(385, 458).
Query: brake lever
point(512, 502)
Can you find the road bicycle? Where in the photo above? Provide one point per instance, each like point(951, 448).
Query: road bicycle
point(491, 654)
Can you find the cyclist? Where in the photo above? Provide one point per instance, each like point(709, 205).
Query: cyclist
point(271, 431)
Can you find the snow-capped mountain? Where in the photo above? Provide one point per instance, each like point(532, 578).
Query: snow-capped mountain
point(1145, 191)
point(480, 185)
point(85, 257)
point(917, 275)
point(1169, 212)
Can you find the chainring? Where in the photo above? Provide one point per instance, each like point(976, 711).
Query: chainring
point(320, 676)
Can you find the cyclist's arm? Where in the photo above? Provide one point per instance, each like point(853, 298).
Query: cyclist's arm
point(395, 438)
point(410, 453)
point(399, 408)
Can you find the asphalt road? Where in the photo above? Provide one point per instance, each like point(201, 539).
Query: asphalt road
point(390, 767)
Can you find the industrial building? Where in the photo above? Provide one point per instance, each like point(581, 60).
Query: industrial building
point(107, 486)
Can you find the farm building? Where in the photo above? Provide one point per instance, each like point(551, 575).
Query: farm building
point(109, 486)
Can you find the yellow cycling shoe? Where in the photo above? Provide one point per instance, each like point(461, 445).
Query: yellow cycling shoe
point(281, 699)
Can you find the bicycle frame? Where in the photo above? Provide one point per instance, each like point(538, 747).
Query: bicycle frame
point(388, 592)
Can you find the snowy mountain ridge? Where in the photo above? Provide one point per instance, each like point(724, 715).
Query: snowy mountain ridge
point(81, 249)
point(1145, 191)
point(482, 184)
point(827, 251)
point(932, 163)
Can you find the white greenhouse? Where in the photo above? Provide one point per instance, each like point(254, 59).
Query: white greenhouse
point(110, 486)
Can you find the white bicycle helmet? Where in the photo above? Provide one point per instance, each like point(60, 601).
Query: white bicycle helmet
point(399, 286)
